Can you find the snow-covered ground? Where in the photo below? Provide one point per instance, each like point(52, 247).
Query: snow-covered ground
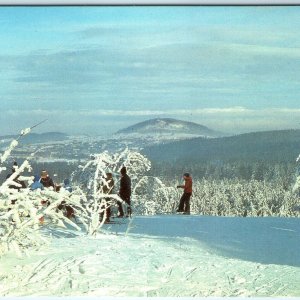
point(166, 255)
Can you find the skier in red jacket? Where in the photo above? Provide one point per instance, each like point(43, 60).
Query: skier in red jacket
point(184, 204)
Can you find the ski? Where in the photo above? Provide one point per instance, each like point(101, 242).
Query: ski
point(182, 213)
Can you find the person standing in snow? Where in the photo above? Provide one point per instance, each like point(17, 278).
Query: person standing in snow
point(36, 183)
point(46, 180)
point(184, 204)
point(124, 192)
point(67, 185)
point(67, 209)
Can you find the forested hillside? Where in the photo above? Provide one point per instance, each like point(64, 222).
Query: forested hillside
point(268, 146)
point(262, 156)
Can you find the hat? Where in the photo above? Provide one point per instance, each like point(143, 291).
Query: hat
point(186, 174)
point(123, 170)
point(44, 174)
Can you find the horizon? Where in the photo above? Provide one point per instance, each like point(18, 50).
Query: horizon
point(226, 134)
point(96, 70)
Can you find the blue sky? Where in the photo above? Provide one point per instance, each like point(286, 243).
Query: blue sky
point(98, 69)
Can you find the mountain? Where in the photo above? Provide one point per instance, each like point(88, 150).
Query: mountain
point(268, 146)
point(34, 138)
point(169, 127)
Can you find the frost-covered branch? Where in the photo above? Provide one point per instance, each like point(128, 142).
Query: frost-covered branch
point(22, 210)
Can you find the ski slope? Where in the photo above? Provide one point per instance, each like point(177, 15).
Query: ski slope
point(166, 255)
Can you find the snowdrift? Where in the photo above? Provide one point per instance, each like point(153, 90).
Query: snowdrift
point(167, 255)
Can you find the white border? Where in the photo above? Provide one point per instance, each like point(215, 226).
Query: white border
point(149, 2)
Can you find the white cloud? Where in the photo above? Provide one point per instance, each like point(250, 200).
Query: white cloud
point(227, 110)
point(235, 110)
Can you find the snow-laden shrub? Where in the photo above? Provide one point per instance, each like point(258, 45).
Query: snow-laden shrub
point(22, 211)
point(296, 187)
point(91, 178)
point(151, 196)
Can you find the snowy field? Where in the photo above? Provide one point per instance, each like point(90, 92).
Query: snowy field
point(167, 255)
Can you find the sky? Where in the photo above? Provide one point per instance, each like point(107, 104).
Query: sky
point(97, 69)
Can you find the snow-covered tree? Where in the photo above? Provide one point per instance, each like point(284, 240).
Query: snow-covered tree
point(296, 186)
point(22, 210)
point(151, 196)
point(92, 180)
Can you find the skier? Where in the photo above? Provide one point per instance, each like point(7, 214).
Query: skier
point(67, 209)
point(124, 192)
point(46, 180)
point(36, 183)
point(184, 204)
point(67, 185)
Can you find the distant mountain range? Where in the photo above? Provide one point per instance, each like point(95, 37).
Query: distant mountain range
point(168, 126)
point(33, 138)
point(268, 146)
point(190, 143)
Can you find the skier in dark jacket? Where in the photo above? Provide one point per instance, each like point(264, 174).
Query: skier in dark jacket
point(67, 185)
point(184, 204)
point(124, 192)
point(46, 180)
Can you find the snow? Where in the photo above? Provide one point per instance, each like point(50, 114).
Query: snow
point(42, 253)
point(8, 151)
point(162, 255)
point(25, 131)
point(162, 124)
